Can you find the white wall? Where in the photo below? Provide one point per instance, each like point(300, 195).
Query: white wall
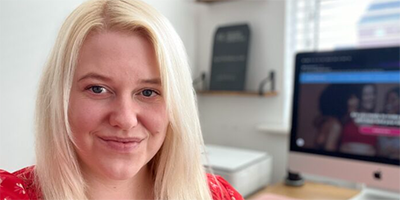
point(233, 120)
point(27, 33)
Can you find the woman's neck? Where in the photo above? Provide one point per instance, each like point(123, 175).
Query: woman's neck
point(138, 187)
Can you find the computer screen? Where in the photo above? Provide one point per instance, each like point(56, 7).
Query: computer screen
point(346, 116)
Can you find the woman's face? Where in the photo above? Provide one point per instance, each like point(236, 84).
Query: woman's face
point(352, 104)
point(116, 111)
point(368, 97)
point(393, 103)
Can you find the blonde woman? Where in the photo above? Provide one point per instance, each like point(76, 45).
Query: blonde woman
point(116, 113)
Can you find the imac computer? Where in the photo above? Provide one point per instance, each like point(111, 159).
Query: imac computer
point(346, 118)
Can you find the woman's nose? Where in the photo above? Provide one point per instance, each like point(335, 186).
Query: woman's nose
point(124, 114)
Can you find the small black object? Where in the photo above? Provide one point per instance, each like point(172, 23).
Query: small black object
point(269, 79)
point(378, 175)
point(294, 179)
point(200, 79)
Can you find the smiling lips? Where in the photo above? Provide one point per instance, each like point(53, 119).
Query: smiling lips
point(122, 145)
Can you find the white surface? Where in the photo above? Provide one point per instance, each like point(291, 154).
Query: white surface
point(374, 194)
point(246, 170)
point(231, 159)
point(28, 30)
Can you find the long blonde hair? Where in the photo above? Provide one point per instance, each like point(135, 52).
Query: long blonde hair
point(177, 168)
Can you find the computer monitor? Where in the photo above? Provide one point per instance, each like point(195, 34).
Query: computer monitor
point(346, 118)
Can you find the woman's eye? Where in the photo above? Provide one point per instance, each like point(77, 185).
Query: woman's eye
point(97, 89)
point(148, 93)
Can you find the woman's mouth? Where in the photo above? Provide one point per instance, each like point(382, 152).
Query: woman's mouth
point(121, 144)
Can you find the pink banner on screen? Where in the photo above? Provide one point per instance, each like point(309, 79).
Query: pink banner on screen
point(379, 130)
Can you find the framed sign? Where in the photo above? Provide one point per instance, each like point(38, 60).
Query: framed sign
point(229, 58)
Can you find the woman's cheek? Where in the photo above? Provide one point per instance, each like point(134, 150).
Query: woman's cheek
point(155, 120)
point(85, 115)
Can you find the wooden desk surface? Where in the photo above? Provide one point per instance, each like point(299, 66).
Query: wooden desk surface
point(309, 190)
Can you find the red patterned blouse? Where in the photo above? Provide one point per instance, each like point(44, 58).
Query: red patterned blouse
point(19, 185)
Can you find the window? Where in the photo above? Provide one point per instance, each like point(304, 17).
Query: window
point(342, 24)
point(317, 25)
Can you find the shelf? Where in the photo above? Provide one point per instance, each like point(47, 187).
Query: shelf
point(277, 129)
point(236, 93)
point(210, 1)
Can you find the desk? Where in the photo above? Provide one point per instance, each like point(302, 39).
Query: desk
point(309, 190)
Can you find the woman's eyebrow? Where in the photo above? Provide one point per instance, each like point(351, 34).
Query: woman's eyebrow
point(95, 76)
point(154, 81)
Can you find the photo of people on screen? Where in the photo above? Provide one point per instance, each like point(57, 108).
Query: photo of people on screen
point(390, 146)
point(358, 119)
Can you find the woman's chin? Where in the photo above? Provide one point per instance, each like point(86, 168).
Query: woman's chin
point(122, 173)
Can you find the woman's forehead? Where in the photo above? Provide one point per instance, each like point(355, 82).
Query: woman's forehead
point(118, 54)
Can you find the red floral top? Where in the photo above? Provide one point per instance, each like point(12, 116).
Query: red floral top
point(19, 185)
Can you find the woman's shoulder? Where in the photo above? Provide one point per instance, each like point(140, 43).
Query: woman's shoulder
point(221, 189)
point(17, 185)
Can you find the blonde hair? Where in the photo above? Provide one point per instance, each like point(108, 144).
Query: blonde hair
point(177, 168)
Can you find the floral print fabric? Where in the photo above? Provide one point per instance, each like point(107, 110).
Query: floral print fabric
point(20, 185)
